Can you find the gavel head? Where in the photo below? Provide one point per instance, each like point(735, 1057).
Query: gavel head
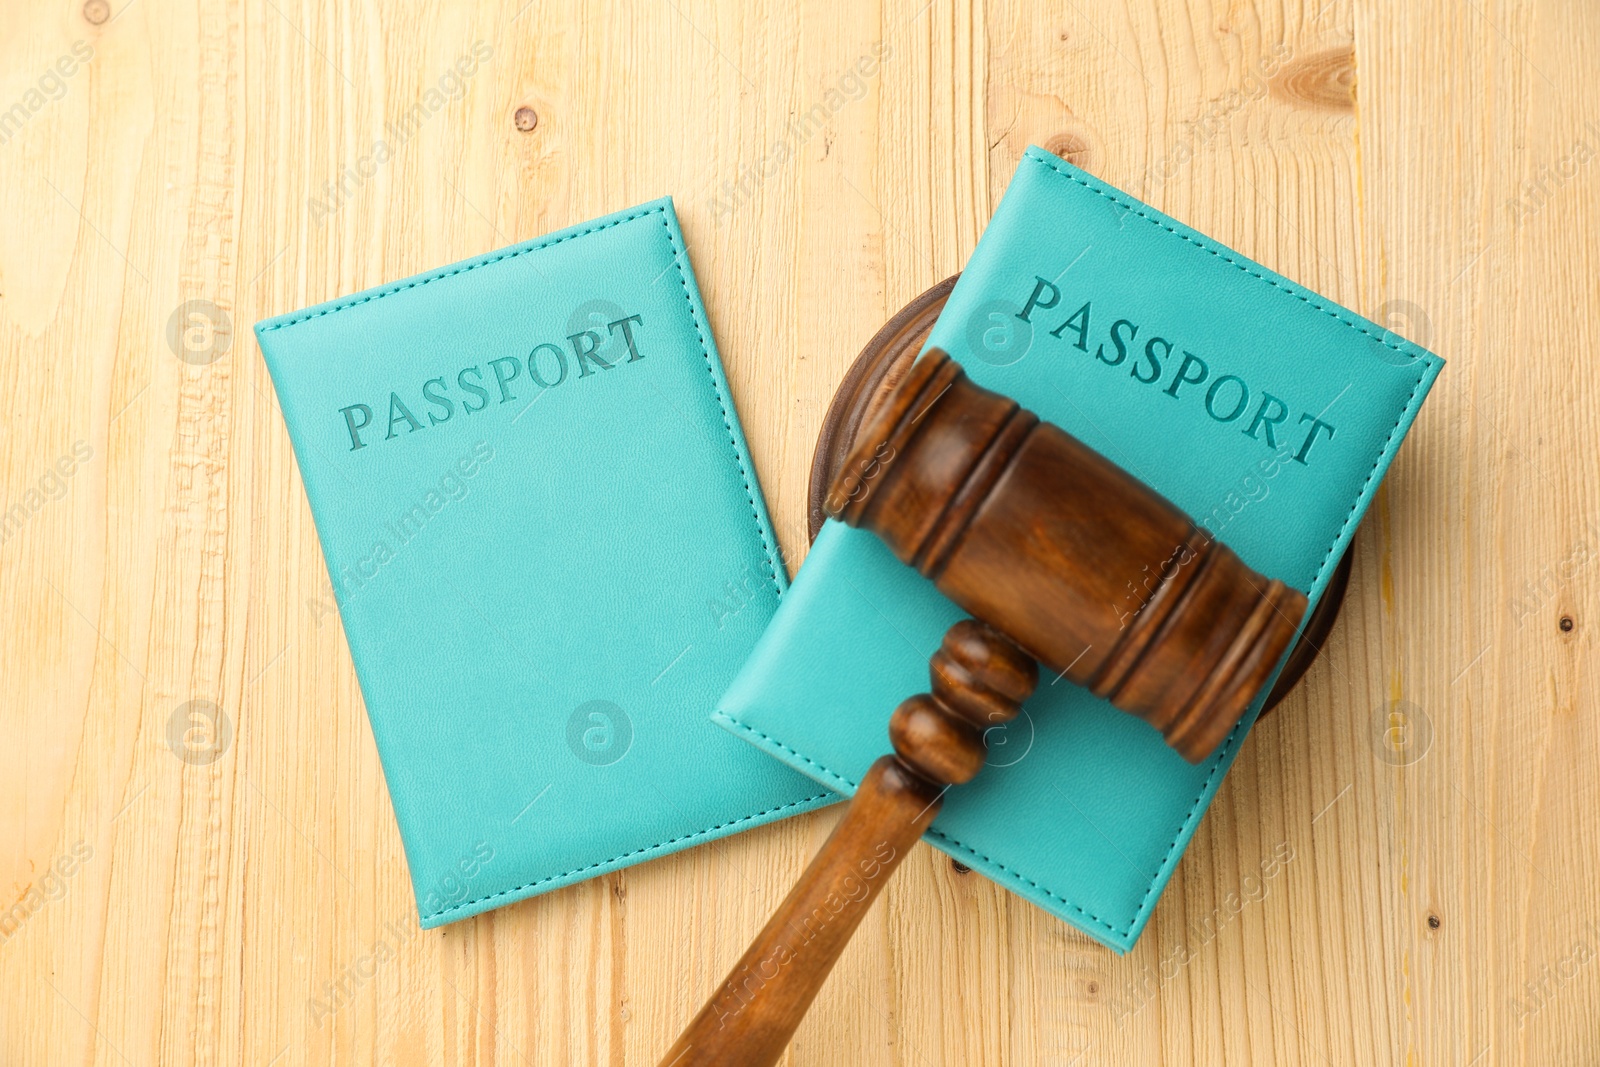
point(1084, 567)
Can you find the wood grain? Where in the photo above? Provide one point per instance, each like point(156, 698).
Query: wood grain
point(1433, 164)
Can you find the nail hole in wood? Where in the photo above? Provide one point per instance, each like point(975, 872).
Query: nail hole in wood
point(526, 119)
point(1567, 624)
point(959, 867)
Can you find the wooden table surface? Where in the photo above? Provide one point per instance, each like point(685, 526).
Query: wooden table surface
point(169, 174)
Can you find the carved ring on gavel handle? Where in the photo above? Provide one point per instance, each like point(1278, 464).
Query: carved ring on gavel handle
point(1041, 540)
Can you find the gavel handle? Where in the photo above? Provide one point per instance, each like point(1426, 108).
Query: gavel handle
point(979, 681)
point(751, 1018)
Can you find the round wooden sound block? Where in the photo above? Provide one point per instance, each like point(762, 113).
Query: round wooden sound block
point(881, 365)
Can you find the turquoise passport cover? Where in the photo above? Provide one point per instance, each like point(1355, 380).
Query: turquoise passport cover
point(549, 551)
point(1265, 411)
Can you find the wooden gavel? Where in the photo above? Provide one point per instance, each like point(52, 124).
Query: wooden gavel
point(1040, 539)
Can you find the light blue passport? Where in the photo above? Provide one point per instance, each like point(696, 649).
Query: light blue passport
point(549, 551)
point(1265, 411)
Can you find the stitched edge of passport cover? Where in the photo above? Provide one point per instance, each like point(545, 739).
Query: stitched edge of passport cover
point(763, 523)
point(1118, 937)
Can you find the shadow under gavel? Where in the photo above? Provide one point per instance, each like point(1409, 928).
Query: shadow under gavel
point(1062, 558)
